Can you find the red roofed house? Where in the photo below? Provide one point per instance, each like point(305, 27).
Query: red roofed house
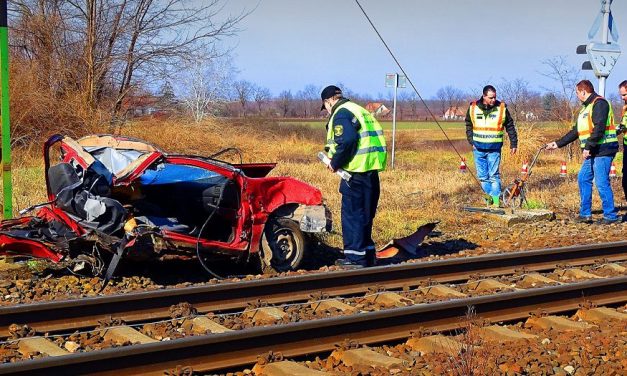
point(377, 109)
point(454, 113)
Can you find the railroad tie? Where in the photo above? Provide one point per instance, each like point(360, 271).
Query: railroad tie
point(434, 344)
point(557, 323)
point(203, 324)
point(600, 314)
point(285, 368)
point(489, 284)
point(503, 334)
point(536, 279)
point(389, 299)
point(366, 358)
point(124, 334)
point(614, 267)
point(575, 273)
point(32, 345)
point(441, 291)
point(332, 304)
point(264, 315)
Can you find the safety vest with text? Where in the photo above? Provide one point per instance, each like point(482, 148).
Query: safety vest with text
point(371, 154)
point(585, 126)
point(487, 127)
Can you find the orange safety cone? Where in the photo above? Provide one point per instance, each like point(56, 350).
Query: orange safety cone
point(563, 171)
point(525, 168)
point(462, 165)
point(613, 171)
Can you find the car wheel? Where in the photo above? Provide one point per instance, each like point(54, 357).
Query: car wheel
point(282, 245)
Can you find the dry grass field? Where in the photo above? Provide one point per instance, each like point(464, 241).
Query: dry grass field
point(426, 184)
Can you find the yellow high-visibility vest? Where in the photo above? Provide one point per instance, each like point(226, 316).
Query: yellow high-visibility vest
point(623, 121)
point(585, 125)
point(371, 154)
point(487, 128)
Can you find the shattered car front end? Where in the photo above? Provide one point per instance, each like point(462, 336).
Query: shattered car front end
point(111, 197)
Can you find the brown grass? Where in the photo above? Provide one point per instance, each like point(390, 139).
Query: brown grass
point(425, 185)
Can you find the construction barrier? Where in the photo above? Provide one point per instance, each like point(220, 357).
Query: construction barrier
point(462, 165)
point(563, 171)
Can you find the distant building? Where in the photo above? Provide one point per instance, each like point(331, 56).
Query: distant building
point(148, 105)
point(454, 113)
point(377, 109)
point(529, 116)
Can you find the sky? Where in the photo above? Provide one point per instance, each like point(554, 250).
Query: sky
point(287, 44)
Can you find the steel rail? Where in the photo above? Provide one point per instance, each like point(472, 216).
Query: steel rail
point(241, 348)
point(153, 305)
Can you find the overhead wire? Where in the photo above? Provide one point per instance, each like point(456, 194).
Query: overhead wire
point(414, 88)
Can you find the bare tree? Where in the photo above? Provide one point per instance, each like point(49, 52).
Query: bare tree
point(311, 96)
point(243, 92)
point(285, 102)
point(260, 95)
point(559, 70)
point(449, 98)
point(205, 85)
point(518, 96)
point(566, 76)
point(115, 44)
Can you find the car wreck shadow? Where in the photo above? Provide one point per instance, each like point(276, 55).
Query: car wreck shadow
point(322, 255)
point(325, 255)
point(446, 247)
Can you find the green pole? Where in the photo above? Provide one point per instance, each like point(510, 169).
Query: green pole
point(7, 183)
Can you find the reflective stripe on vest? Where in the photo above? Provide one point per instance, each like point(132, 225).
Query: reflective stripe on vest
point(371, 154)
point(487, 128)
point(585, 125)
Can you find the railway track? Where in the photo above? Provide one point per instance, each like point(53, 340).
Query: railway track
point(236, 348)
point(154, 305)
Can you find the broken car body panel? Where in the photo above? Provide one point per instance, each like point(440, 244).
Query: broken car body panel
point(104, 188)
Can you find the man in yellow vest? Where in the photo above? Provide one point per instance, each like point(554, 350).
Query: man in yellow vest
point(594, 127)
point(355, 144)
point(486, 120)
point(622, 90)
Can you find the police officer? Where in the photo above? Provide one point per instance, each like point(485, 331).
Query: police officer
point(622, 90)
point(356, 144)
point(594, 127)
point(485, 120)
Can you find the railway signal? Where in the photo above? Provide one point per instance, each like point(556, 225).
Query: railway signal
point(602, 55)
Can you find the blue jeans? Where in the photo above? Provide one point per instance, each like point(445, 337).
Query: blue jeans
point(597, 169)
point(487, 163)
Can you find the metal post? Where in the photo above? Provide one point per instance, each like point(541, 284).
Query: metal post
point(7, 184)
point(394, 119)
point(605, 29)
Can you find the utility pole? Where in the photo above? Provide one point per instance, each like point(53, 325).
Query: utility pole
point(395, 80)
point(7, 183)
point(604, 54)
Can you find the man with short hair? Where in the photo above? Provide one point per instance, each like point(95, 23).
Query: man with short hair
point(485, 120)
point(355, 143)
point(622, 90)
point(594, 127)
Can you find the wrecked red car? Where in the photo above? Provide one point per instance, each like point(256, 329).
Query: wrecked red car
point(113, 197)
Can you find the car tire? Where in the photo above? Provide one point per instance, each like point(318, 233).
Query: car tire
point(283, 246)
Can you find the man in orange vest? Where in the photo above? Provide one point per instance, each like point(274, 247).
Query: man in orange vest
point(594, 127)
point(486, 119)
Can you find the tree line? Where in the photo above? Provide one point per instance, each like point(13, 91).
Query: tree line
point(81, 65)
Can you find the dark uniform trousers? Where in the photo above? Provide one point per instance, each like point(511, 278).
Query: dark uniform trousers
point(359, 205)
